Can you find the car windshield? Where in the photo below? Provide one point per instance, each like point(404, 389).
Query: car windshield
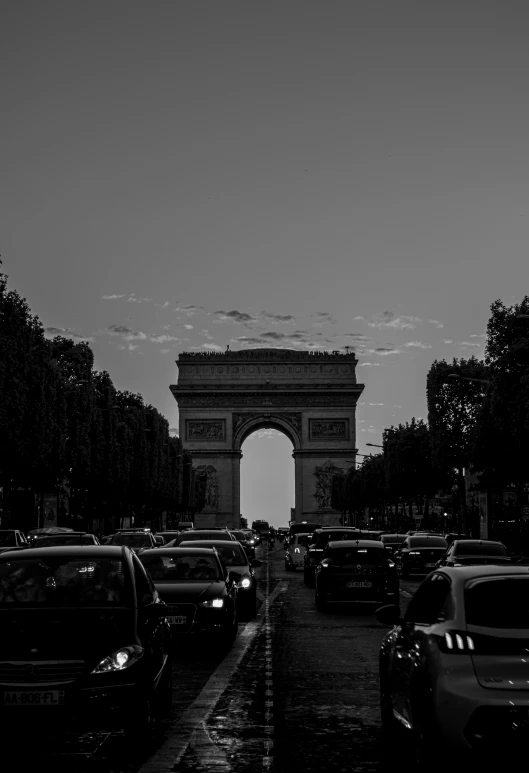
point(232, 555)
point(7, 538)
point(427, 542)
point(332, 536)
point(393, 539)
point(302, 540)
point(479, 549)
point(63, 539)
point(170, 568)
point(62, 581)
point(499, 603)
point(239, 535)
point(132, 540)
point(354, 556)
point(194, 535)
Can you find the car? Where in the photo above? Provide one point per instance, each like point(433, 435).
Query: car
point(136, 540)
point(198, 534)
point(12, 538)
point(453, 669)
point(67, 538)
point(419, 554)
point(392, 541)
point(85, 643)
point(296, 551)
point(468, 551)
point(452, 535)
point(263, 527)
point(319, 539)
point(301, 528)
point(251, 538)
point(183, 525)
point(355, 570)
point(235, 559)
point(200, 593)
point(248, 544)
point(168, 535)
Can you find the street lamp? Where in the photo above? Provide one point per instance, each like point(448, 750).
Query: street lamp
point(375, 445)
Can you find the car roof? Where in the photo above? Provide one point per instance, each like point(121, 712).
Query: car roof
point(463, 573)
point(65, 534)
point(103, 551)
point(215, 542)
point(194, 551)
point(362, 543)
point(478, 541)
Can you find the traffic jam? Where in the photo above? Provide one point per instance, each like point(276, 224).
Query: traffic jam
point(328, 648)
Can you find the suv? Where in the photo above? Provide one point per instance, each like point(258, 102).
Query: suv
point(316, 546)
point(199, 534)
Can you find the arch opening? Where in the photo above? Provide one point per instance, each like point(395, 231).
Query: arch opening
point(267, 476)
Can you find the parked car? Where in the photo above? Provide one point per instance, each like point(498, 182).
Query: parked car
point(453, 669)
point(85, 643)
point(419, 554)
point(198, 534)
point(67, 538)
point(392, 541)
point(319, 539)
point(200, 593)
point(467, 551)
point(296, 551)
point(355, 570)
point(236, 560)
point(12, 538)
point(135, 540)
point(248, 545)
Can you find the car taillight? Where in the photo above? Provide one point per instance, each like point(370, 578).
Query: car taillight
point(456, 642)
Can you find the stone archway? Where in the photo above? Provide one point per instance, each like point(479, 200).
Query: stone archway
point(309, 396)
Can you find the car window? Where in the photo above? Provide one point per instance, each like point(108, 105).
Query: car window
point(427, 542)
point(132, 540)
point(501, 602)
point(231, 555)
point(144, 590)
point(330, 536)
point(170, 568)
point(302, 540)
point(353, 556)
point(430, 601)
point(63, 581)
point(479, 549)
point(7, 538)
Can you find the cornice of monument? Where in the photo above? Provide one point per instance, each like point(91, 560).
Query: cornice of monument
point(266, 355)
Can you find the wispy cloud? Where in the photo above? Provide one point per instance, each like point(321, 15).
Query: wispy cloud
point(164, 338)
point(468, 344)
point(240, 317)
point(356, 337)
point(418, 345)
point(126, 333)
point(208, 348)
point(278, 319)
point(388, 319)
point(65, 332)
point(447, 341)
point(189, 327)
point(481, 335)
point(436, 322)
point(322, 318)
point(114, 297)
point(376, 403)
point(206, 334)
point(189, 309)
point(385, 350)
point(133, 298)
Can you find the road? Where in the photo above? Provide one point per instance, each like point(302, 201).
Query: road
point(298, 691)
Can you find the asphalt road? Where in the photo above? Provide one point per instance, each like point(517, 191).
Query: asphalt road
point(297, 692)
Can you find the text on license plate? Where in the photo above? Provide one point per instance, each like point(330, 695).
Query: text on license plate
point(360, 584)
point(33, 698)
point(429, 565)
point(177, 619)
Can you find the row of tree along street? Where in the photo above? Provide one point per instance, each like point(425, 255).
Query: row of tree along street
point(68, 436)
point(471, 460)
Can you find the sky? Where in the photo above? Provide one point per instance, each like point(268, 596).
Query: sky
point(184, 175)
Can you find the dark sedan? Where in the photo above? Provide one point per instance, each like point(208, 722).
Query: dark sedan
point(356, 570)
point(420, 554)
point(191, 535)
point(236, 560)
point(85, 641)
point(247, 542)
point(392, 541)
point(67, 538)
point(135, 540)
point(320, 538)
point(200, 593)
point(468, 552)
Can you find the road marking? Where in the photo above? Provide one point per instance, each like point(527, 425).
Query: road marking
point(269, 693)
point(190, 728)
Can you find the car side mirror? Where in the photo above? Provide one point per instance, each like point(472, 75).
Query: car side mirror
point(256, 562)
point(389, 614)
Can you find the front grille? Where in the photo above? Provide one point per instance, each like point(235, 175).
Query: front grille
point(38, 672)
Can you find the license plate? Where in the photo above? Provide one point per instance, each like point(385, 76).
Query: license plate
point(429, 565)
point(177, 619)
point(363, 584)
point(33, 698)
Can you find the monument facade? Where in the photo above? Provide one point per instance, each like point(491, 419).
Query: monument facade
point(309, 396)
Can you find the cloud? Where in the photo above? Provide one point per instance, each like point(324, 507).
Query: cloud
point(322, 318)
point(65, 332)
point(240, 317)
point(396, 406)
point(206, 334)
point(126, 333)
point(162, 305)
point(189, 309)
point(388, 319)
point(174, 431)
point(113, 297)
point(164, 351)
point(189, 327)
point(385, 350)
point(208, 347)
point(163, 338)
point(418, 345)
point(369, 364)
point(264, 433)
point(436, 322)
point(356, 337)
point(278, 319)
point(133, 299)
point(447, 341)
point(376, 403)
point(468, 344)
point(482, 335)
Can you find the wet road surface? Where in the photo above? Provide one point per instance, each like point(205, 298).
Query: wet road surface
point(298, 691)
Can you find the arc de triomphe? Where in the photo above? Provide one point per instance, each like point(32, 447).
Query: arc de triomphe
point(309, 396)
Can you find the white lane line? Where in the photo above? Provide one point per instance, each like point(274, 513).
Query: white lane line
point(269, 684)
point(181, 732)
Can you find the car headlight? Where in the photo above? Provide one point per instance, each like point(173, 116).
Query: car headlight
point(216, 603)
point(245, 582)
point(119, 660)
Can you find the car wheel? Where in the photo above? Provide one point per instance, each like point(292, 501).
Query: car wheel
point(321, 603)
